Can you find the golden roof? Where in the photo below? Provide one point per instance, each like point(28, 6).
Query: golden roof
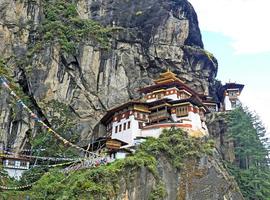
point(167, 77)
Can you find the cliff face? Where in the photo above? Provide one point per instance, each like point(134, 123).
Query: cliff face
point(155, 35)
point(172, 167)
point(204, 180)
point(217, 124)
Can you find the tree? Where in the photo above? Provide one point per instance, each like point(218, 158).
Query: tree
point(63, 121)
point(251, 169)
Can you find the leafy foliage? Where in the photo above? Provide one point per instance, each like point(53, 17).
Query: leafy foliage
point(158, 193)
point(32, 175)
point(63, 122)
point(176, 145)
point(3, 174)
point(251, 169)
point(105, 181)
point(4, 71)
point(63, 26)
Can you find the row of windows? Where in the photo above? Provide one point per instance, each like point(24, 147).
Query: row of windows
point(124, 115)
point(16, 163)
point(232, 93)
point(212, 108)
point(183, 95)
point(141, 115)
point(160, 95)
point(136, 114)
point(125, 126)
point(182, 111)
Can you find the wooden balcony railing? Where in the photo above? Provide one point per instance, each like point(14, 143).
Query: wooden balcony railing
point(160, 115)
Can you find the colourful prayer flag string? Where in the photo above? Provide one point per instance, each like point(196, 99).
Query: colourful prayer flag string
point(4, 82)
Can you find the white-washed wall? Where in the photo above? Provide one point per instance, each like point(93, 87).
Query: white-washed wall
point(153, 132)
point(227, 103)
point(127, 135)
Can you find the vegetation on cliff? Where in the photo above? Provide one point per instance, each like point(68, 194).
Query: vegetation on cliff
point(60, 27)
point(104, 182)
point(63, 25)
point(251, 167)
point(62, 120)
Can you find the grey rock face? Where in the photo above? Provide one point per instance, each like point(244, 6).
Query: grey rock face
point(155, 36)
point(206, 180)
point(218, 129)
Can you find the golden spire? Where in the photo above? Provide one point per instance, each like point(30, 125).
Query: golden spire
point(167, 77)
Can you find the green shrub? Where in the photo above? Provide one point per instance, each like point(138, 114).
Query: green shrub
point(63, 26)
point(105, 181)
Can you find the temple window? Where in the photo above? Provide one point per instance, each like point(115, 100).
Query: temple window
point(125, 125)
point(233, 104)
point(23, 163)
point(233, 93)
point(160, 95)
point(11, 162)
point(120, 127)
point(182, 111)
point(17, 163)
point(183, 95)
point(144, 116)
point(116, 129)
point(140, 125)
point(128, 124)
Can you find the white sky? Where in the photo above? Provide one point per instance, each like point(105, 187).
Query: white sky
point(246, 22)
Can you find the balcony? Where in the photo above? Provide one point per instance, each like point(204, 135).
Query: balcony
point(159, 116)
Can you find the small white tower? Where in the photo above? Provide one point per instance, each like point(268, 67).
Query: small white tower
point(230, 93)
point(15, 166)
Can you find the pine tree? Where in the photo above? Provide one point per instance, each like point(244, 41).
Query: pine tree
point(251, 168)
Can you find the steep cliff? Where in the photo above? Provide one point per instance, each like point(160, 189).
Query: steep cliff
point(90, 72)
point(217, 124)
point(151, 37)
point(173, 167)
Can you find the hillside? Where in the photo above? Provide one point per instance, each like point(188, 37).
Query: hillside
point(69, 61)
point(174, 166)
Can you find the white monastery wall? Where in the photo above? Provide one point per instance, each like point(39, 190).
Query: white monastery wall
point(129, 134)
point(172, 96)
point(195, 119)
point(15, 173)
point(15, 170)
point(227, 103)
point(154, 132)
